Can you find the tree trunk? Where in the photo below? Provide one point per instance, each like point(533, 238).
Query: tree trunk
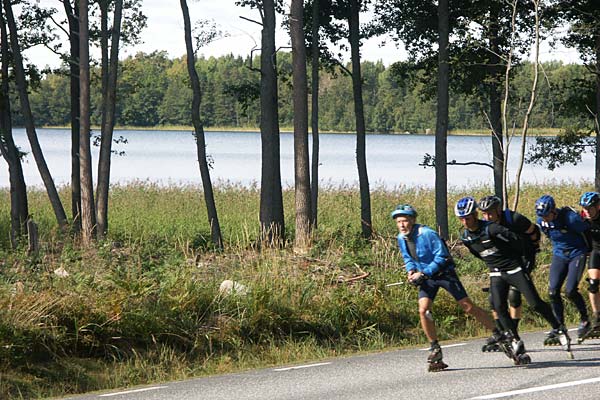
point(88, 214)
point(271, 198)
point(597, 116)
point(300, 99)
point(108, 123)
point(19, 210)
point(104, 63)
point(496, 105)
point(532, 100)
point(441, 129)
point(315, 115)
point(361, 157)
point(73, 19)
point(211, 208)
point(38, 155)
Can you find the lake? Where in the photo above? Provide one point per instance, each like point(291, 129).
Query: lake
point(169, 158)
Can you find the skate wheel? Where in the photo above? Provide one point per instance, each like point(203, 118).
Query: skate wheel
point(436, 367)
point(570, 355)
point(524, 359)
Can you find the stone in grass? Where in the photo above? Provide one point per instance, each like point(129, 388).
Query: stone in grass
point(231, 287)
point(61, 272)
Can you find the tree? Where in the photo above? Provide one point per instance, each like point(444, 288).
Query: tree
point(109, 94)
point(361, 152)
point(72, 13)
point(300, 95)
point(211, 208)
point(314, 187)
point(271, 198)
point(349, 11)
point(441, 129)
point(38, 155)
point(583, 16)
point(481, 29)
point(88, 214)
point(532, 100)
point(19, 210)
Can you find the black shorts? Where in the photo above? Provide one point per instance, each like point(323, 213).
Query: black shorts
point(447, 280)
point(594, 261)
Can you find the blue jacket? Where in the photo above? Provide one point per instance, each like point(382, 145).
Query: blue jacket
point(432, 253)
point(567, 233)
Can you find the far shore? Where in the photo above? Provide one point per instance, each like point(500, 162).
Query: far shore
point(429, 132)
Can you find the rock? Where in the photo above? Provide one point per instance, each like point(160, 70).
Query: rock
point(61, 272)
point(231, 287)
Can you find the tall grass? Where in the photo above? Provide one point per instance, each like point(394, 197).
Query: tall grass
point(145, 306)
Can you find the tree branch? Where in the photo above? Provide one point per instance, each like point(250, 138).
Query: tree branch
point(251, 20)
point(59, 26)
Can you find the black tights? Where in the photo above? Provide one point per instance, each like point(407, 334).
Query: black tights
point(499, 286)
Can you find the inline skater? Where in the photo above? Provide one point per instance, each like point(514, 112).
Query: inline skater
point(430, 267)
point(569, 235)
point(502, 251)
point(491, 210)
point(590, 211)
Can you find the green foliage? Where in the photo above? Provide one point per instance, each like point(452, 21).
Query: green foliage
point(566, 148)
point(154, 90)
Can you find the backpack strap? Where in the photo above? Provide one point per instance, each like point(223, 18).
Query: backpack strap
point(508, 217)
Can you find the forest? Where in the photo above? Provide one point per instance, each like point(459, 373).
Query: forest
point(155, 92)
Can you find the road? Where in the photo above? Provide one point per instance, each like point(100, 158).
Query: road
point(401, 375)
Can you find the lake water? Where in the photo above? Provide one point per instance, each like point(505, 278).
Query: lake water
point(169, 158)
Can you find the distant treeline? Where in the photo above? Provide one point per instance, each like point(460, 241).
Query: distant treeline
point(153, 91)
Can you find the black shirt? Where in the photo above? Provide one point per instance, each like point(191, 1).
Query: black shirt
point(500, 248)
point(595, 233)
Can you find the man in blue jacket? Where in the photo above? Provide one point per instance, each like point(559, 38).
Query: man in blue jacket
point(569, 235)
point(430, 267)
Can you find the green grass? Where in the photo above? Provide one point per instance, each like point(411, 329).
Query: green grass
point(144, 306)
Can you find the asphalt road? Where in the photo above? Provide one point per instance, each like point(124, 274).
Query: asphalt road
point(401, 375)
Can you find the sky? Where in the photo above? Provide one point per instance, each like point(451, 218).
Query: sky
point(165, 32)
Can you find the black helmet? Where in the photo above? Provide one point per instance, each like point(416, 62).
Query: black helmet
point(489, 202)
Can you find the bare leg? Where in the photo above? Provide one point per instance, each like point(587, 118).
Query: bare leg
point(594, 297)
point(480, 315)
point(426, 320)
point(515, 312)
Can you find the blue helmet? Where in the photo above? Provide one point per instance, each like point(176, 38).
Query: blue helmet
point(589, 199)
point(404, 209)
point(465, 206)
point(544, 205)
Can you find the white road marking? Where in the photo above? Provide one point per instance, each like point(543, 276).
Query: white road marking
point(301, 367)
point(446, 346)
point(537, 389)
point(133, 391)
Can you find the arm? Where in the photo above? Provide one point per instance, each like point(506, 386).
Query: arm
point(476, 254)
point(438, 250)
